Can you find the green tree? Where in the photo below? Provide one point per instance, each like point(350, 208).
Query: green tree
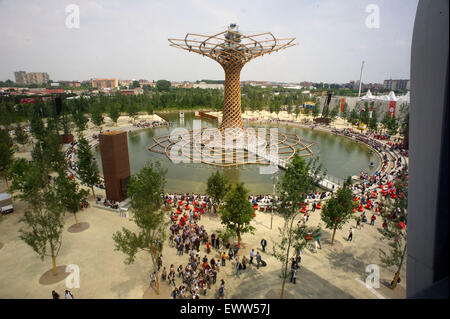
point(373, 121)
point(217, 187)
point(70, 194)
point(114, 112)
point(145, 190)
point(353, 117)
point(316, 110)
point(338, 210)
point(44, 221)
point(87, 167)
point(21, 136)
point(390, 123)
point(300, 179)
point(297, 111)
point(237, 212)
point(135, 84)
point(364, 115)
point(395, 217)
point(333, 113)
point(163, 85)
point(132, 110)
point(97, 117)
point(6, 155)
point(345, 113)
point(79, 120)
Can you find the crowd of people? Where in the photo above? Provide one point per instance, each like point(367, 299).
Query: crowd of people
point(207, 253)
point(145, 124)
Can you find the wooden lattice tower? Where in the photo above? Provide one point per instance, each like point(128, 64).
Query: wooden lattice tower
point(232, 50)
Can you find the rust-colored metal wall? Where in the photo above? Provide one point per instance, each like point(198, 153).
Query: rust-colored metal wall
point(115, 162)
point(231, 112)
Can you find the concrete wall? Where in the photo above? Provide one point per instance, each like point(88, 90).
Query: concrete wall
point(427, 222)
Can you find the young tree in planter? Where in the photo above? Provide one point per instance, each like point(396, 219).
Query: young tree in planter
point(297, 111)
point(132, 110)
point(6, 155)
point(373, 121)
point(114, 112)
point(300, 238)
point(345, 112)
point(145, 190)
point(338, 209)
point(353, 117)
point(70, 194)
point(79, 120)
point(316, 110)
point(299, 180)
point(87, 167)
point(22, 137)
point(390, 123)
point(217, 187)
point(333, 113)
point(45, 220)
point(237, 212)
point(395, 217)
point(97, 117)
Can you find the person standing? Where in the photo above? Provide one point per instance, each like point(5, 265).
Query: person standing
point(318, 241)
point(252, 254)
point(175, 293)
point(222, 289)
point(153, 279)
point(350, 235)
point(55, 295)
point(238, 266)
point(258, 259)
point(372, 220)
point(263, 244)
point(68, 294)
point(160, 261)
point(164, 274)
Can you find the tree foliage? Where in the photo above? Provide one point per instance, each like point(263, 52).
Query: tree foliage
point(6, 154)
point(145, 190)
point(237, 212)
point(299, 180)
point(87, 167)
point(394, 214)
point(217, 187)
point(338, 209)
point(21, 136)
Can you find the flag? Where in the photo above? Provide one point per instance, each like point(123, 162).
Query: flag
point(392, 108)
point(342, 104)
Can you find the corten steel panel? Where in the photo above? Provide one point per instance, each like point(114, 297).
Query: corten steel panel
point(115, 162)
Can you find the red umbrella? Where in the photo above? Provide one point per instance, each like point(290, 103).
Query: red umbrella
point(318, 206)
point(255, 207)
point(360, 208)
point(304, 209)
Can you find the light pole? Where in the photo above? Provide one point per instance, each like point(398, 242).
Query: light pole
point(275, 180)
point(360, 78)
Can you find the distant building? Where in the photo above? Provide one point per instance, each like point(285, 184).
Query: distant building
point(31, 78)
point(20, 77)
point(105, 83)
point(70, 83)
point(203, 85)
point(134, 91)
point(393, 85)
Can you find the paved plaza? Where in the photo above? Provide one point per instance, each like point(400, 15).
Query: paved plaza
point(332, 272)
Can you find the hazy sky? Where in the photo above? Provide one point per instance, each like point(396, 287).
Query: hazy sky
point(128, 39)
